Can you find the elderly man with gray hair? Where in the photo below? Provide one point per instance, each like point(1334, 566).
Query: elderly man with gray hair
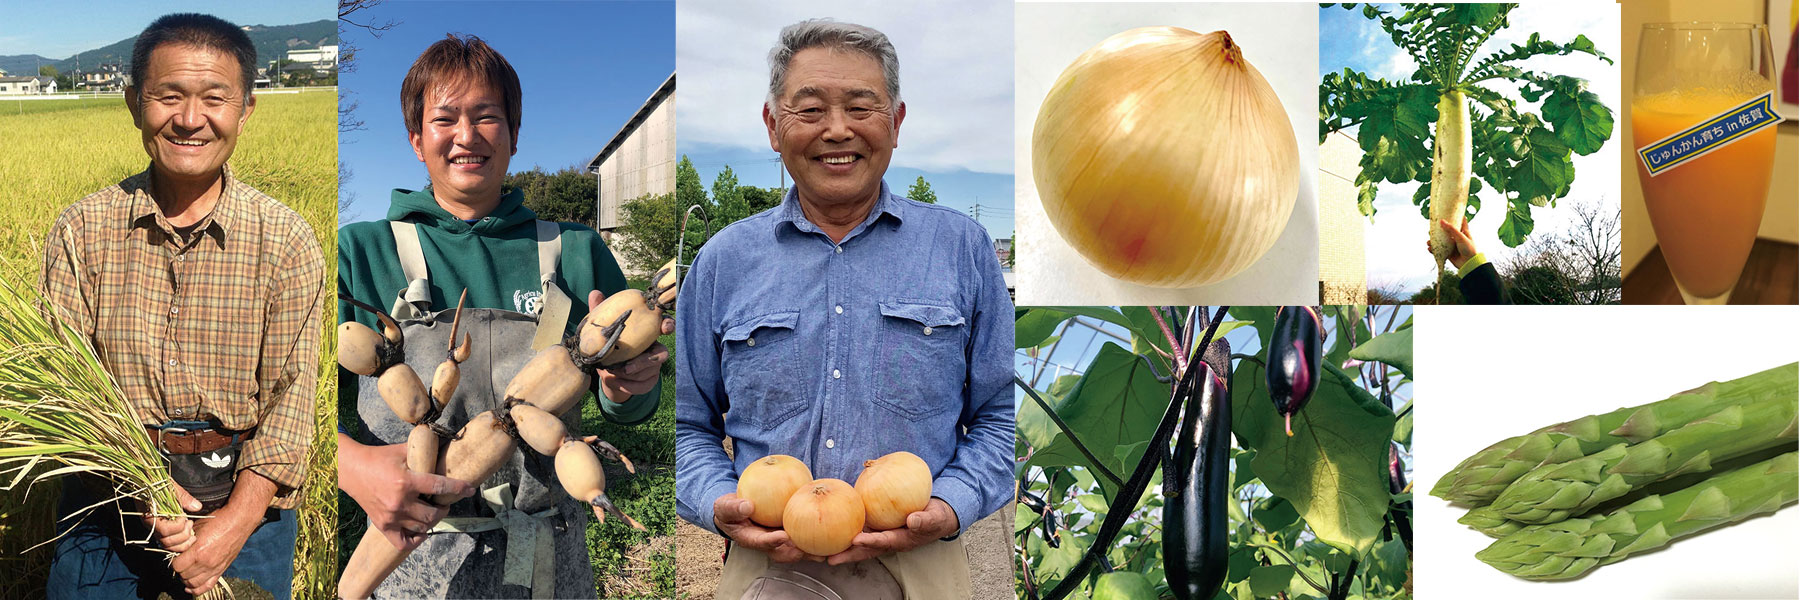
point(846, 324)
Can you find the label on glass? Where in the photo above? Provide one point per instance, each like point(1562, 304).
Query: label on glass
point(1716, 132)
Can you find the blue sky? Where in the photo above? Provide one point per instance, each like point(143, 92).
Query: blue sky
point(60, 29)
point(584, 67)
point(955, 77)
point(1394, 243)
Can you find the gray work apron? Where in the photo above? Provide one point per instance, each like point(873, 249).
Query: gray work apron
point(521, 535)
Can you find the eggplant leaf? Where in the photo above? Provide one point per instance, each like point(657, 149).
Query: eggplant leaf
point(1333, 469)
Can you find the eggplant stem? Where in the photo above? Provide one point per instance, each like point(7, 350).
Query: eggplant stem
point(1133, 489)
point(1174, 344)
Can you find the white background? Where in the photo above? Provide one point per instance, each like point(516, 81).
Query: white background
point(1489, 373)
point(1281, 40)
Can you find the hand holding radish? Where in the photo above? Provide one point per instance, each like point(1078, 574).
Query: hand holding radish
point(1462, 247)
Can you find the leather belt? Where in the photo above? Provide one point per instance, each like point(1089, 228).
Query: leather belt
point(194, 441)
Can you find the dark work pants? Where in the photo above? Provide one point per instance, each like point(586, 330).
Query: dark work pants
point(94, 559)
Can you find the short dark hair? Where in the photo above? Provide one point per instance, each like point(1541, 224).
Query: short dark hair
point(451, 58)
point(194, 29)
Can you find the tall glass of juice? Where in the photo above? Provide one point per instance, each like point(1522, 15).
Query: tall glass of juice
point(1706, 147)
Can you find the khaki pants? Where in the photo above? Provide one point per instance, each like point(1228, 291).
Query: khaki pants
point(938, 570)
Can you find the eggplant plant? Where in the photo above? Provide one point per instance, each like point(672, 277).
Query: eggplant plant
point(1162, 467)
point(1450, 127)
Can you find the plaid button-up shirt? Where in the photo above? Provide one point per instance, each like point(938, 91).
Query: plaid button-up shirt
point(223, 325)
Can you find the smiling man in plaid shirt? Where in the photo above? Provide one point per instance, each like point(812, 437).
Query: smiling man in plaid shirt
point(201, 295)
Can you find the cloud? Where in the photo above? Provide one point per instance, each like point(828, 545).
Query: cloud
point(955, 76)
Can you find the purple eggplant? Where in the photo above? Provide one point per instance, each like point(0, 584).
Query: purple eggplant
point(1196, 484)
point(1293, 368)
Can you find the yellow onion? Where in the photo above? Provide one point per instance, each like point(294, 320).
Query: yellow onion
point(892, 487)
point(1165, 159)
point(823, 517)
point(768, 483)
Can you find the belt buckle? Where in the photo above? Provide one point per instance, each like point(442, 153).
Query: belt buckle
point(178, 429)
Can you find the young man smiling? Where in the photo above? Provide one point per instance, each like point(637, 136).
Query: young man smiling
point(461, 102)
point(202, 298)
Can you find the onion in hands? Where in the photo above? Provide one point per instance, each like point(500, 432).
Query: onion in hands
point(1165, 159)
point(893, 487)
point(823, 516)
point(768, 483)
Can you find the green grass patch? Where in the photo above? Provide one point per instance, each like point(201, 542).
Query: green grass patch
point(629, 563)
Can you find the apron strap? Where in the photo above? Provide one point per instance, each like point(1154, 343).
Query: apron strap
point(529, 549)
point(412, 301)
point(553, 305)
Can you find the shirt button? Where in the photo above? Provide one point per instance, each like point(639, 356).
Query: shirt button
point(840, 310)
point(836, 374)
point(830, 443)
point(177, 412)
point(171, 362)
point(927, 331)
point(750, 342)
point(181, 258)
point(175, 310)
point(840, 249)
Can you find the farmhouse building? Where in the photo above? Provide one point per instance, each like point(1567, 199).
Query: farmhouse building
point(19, 86)
point(638, 161)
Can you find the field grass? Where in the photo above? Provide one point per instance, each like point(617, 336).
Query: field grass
point(629, 563)
point(59, 151)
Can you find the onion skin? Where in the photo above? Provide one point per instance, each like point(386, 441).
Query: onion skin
point(823, 516)
point(768, 483)
point(893, 487)
point(1165, 158)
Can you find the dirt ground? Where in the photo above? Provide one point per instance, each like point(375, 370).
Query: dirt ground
point(988, 541)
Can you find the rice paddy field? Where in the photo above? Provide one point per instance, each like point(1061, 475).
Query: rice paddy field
point(58, 151)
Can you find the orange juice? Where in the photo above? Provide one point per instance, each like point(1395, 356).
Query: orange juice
point(1707, 210)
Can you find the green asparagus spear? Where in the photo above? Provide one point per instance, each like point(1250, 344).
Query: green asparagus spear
point(1566, 549)
point(1489, 521)
point(1481, 477)
point(1552, 493)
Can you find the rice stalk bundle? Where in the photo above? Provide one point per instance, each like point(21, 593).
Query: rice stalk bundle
point(60, 408)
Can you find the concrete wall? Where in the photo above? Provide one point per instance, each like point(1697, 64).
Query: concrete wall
point(1343, 273)
point(1781, 218)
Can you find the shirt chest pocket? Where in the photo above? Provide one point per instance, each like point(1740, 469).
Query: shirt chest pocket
point(761, 367)
point(922, 357)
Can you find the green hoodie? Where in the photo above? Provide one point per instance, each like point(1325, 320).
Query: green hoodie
point(495, 259)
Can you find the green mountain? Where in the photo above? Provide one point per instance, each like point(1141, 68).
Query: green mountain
point(20, 65)
point(272, 42)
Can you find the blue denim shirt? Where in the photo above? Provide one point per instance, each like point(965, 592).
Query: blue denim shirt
point(898, 338)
